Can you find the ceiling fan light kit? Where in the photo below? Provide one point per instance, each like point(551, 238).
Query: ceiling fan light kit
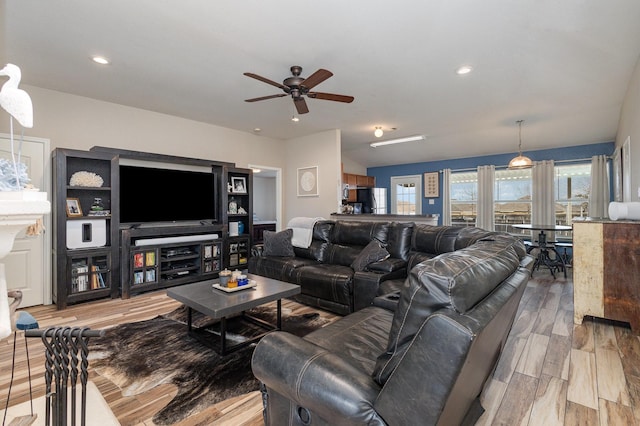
point(299, 87)
point(378, 132)
point(521, 161)
point(398, 140)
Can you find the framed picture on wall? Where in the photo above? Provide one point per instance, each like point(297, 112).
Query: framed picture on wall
point(308, 181)
point(431, 185)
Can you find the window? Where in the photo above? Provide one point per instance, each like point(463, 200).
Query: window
point(406, 195)
point(464, 198)
point(512, 200)
point(572, 184)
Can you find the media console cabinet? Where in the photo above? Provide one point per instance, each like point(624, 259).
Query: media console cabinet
point(96, 256)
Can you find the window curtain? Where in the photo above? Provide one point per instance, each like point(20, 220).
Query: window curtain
point(599, 195)
point(543, 195)
point(486, 183)
point(446, 197)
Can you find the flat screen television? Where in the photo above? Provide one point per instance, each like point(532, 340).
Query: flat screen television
point(166, 195)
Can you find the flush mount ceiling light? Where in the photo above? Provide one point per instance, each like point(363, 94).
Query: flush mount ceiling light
point(378, 132)
point(100, 60)
point(520, 162)
point(398, 140)
point(465, 69)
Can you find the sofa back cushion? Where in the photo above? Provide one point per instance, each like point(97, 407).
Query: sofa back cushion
point(348, 238)
point(456, 280)
point(434, 239)
point(399, 239)
point(356, 233)
point(317, 250)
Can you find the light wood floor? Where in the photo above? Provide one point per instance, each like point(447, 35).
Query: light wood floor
point(551, 373)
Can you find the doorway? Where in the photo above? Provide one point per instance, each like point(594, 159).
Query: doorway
point(267, 194)
point(28, 265)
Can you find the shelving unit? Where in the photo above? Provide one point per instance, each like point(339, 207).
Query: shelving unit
point(154, 266)
point(85, 246)
point(239, 215)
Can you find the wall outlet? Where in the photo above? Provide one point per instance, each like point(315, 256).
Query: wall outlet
point(434, 201)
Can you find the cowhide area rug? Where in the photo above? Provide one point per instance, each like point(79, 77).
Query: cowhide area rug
point(139, 356)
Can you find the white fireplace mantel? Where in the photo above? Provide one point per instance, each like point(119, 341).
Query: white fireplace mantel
point(18, 210)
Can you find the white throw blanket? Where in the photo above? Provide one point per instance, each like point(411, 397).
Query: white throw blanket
point(302, 230)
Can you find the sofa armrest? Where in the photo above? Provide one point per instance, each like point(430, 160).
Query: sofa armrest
point(301, 371)
point(366, 283)
point(257, 250)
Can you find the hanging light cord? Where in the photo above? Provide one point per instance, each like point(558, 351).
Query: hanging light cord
point(520, 136)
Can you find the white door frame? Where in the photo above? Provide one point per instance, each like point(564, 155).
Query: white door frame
point(417, 180)
point(278, 172)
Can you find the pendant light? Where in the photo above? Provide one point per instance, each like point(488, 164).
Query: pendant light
point(520, 162)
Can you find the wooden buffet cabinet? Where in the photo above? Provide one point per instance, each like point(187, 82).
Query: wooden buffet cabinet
point(606, 261)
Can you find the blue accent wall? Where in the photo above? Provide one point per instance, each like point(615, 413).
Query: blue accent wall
point(383, 174)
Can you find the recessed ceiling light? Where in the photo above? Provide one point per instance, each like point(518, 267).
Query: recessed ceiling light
point(465, 69)
point(257, 129)
point(100, 60)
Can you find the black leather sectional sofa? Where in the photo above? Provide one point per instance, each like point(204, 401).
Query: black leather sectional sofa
point(419, 354)
point(324, 270)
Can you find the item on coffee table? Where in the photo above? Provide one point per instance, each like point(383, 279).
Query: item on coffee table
point(225, 276)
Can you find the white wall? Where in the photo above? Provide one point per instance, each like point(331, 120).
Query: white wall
point(629, 125)
point(322, 150)
point(350, 166)
point(76, 122)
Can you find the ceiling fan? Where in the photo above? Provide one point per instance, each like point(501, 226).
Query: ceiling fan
point(298, 87)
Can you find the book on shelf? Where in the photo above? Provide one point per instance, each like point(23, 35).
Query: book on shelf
point(101, 282)
point(80, 277)
point(94, 277)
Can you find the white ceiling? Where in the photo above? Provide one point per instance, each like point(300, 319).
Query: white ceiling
point(561, 66)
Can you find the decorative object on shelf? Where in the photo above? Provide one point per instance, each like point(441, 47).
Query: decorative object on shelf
point(239, 185)
point(520, 162)
point(18, 104)
point(240, 228)
point(308, 181)
point(233, 206)
point(431, 185)
point(86, 179)
point(241, 210)
point(97, 205)
point(233, 229)
point(73, 207)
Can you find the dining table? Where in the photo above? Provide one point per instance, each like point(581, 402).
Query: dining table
point(544, 247)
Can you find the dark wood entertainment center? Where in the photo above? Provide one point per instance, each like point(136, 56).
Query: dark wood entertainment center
point(96, 256)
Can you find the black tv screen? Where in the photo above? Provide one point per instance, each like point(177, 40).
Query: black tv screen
point(166, 195)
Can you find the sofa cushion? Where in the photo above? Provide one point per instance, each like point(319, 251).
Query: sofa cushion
point(356, 233)
point(325, 281)
point(434, 239)
point(456, 280)
point(399, 240)
point(278, 243)
point(372, 252)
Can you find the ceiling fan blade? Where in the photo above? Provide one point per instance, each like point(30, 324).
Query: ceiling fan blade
point(301, 105)
point(265, 80)
point(330, 97)
point(262, 98)
point(316, 78)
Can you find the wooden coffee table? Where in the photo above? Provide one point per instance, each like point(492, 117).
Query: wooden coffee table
point(217, 304)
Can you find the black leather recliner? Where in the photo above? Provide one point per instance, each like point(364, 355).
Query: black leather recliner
point(419, 356)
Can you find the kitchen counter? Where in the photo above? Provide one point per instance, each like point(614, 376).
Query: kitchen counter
point(429, 219)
